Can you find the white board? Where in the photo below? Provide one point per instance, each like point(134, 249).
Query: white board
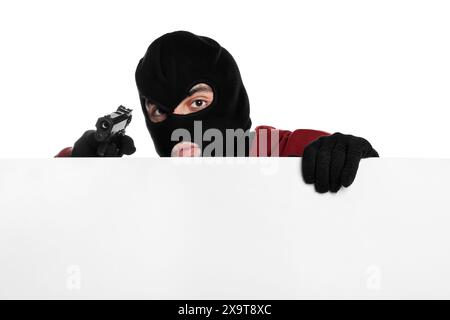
point(221, 229)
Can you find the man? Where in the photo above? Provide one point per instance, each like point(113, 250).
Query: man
point(195, 104)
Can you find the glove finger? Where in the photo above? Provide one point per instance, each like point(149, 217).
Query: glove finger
point(126, 145)
point(86, 145)
point(309, 161)
point(89, 138)
point(352, 160)
point(112, 150)
point(337, 164)
point(323, 161)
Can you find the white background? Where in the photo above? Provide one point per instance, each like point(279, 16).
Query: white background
point(377, 69)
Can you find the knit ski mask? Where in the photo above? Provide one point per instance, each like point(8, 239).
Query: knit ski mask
point(172, 65)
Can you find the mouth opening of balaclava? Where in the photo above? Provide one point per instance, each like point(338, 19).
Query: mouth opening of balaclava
point(172, 65)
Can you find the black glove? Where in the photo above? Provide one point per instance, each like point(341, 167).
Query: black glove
point(87, 146)
point(332, 161)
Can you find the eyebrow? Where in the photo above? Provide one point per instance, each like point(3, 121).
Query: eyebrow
point(199, 88)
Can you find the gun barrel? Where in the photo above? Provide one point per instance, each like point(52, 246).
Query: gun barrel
point(113, 124)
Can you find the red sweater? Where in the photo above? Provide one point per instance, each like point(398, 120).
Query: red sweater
point(289, 143)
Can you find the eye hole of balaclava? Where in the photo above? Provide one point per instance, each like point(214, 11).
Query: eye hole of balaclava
point(199, 97)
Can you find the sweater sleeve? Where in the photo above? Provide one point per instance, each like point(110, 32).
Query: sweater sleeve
point(64, 153)
point(272, 142)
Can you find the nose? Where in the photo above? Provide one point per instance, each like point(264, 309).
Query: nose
point(186, 149)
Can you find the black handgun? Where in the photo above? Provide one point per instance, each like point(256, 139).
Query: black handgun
point(110, 127)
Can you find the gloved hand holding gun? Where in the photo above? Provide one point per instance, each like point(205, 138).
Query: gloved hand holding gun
point(109, 140)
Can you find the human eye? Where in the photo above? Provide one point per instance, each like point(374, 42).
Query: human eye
point(200, 97)
point(158, 112)
point(155, 114)
point(199, 104)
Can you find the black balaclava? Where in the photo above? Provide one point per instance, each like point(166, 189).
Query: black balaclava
point(172, 65)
